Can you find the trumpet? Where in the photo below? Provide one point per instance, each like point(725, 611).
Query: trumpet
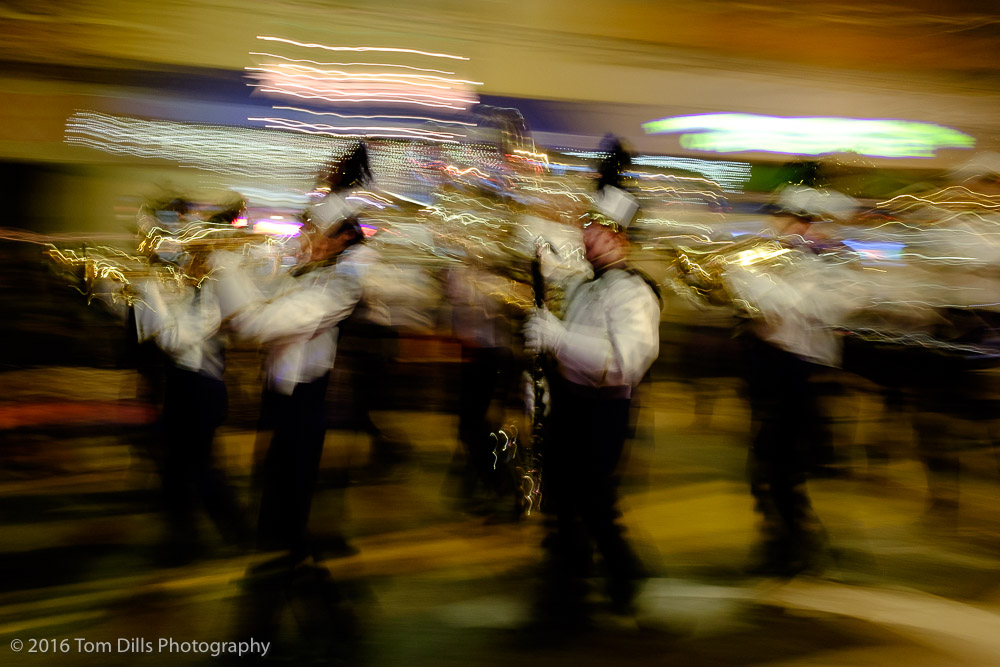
point(98, 268)
point(195, 237)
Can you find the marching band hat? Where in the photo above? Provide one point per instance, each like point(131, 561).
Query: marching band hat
point(613, 207)
point(814, 205)
point(333, 214)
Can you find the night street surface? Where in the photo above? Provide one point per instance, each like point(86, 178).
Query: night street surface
point(431, 585)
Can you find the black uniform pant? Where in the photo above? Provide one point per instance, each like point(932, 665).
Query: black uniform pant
point(371, 349)
point(584, 445)
point(288, 477)
point(785, 411)
point(194, 405)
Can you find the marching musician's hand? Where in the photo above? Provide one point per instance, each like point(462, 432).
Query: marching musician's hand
point(528, 386)
point(547, 257)
point(543, 332)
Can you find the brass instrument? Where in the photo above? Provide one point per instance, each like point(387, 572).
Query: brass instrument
point(702, 271)
point(94, 264)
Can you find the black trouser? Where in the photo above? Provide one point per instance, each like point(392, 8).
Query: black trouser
point(785, 409)
point(288, 479)
point(194, 405)
point(371, 348)
point(585, 440)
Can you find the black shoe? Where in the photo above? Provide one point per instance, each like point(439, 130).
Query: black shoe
point(560, 617)
point(622, 593)
point(333, 546)
point(786, 559)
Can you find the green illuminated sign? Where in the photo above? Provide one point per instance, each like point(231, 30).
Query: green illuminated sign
point(739, 132)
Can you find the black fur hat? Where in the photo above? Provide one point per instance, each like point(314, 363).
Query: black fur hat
point(615, 162)
point(351, 171)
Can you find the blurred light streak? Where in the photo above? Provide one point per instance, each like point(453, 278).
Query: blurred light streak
point(751, 257)
point(531, 491)
point(277, 227)
point(417, 133)
point(541, 157)
point(9, 234)
point(388, 84)
point(944, 259)
point(386, 116)
point(315, 62)
point(451, 169)
point(556, 192)
point(222, 149)
point(731, 176)
point(926, 340)
point(359, 48)
point(366, 193)
point(324, 87)
point(284, 198)
point(371, 135)
point(306, 96)
point(366, 201)
point(880, 250)
point(940, 198)
point(403, 197)
point(366, 96)
point(428, 80)
point(736, 132)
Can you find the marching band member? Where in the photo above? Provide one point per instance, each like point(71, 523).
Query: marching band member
point(602, 349)
point(185, 323)
point(790, 338)
point(298, 324)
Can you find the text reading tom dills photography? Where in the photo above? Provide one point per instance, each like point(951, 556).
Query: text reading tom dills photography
point(141, 645)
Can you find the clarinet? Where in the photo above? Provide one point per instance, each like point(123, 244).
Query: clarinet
point(533, 475)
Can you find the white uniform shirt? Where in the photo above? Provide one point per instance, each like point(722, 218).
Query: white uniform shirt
point(612, 331)
point(299, 321)
point(185, 325)
point(799, 305)
point(368, 265)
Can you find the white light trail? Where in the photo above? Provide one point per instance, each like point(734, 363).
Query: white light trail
point(360, 76)
point(344, 100)
point(373, 135)
point(334, 91)
point(348, 78)
point(366, 128)
point(388, 116)
point(316, 62)
point(359, 48)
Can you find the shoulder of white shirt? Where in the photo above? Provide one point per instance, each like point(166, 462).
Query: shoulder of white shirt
point(624, 278)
